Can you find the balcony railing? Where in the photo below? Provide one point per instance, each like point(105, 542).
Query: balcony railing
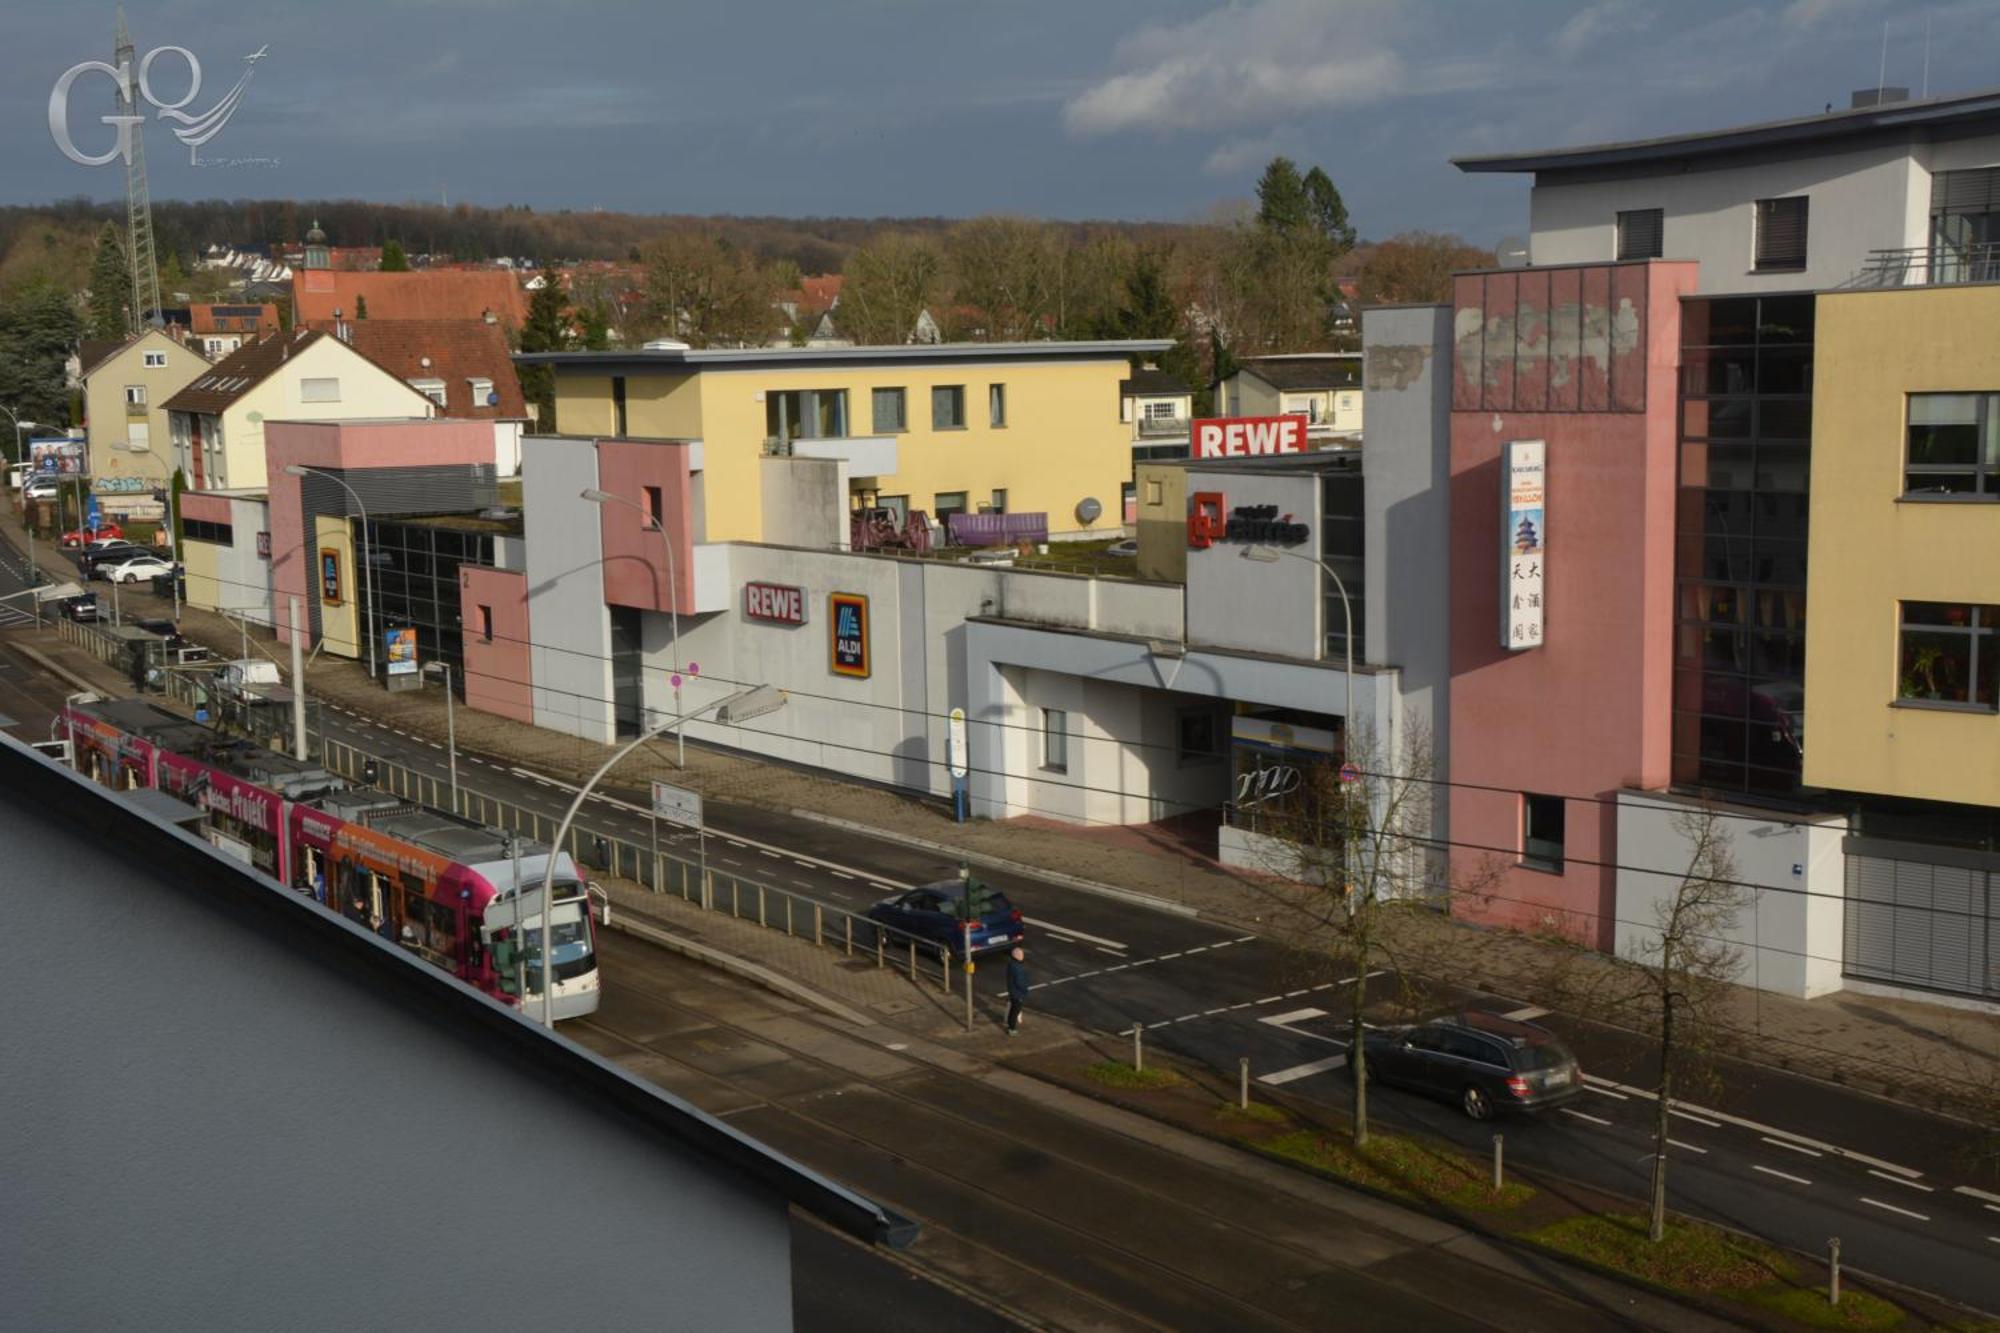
point(1929, 266)
point(1163, 426)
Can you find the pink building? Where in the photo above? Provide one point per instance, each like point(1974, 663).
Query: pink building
point(1584, 359)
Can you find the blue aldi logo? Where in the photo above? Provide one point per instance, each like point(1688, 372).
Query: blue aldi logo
point(848, 615)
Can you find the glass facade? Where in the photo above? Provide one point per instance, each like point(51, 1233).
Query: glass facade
point(1740, 527)
point(1342, 547)
point(416, 583)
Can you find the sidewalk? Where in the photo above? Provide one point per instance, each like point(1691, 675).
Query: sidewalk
point(1932, 1055)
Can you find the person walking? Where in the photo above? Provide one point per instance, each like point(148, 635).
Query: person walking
point(1017, 988)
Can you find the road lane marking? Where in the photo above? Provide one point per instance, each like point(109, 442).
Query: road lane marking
point(1606, 1092)
point(1199, 948)
point(1241, 939)
point(1780, 1143)
point(1689, 1115)
point(1898, 1180)
point(1070, 931)
point(1101, 949)
point(1165, 956)
point(1892, 1208)
point(1297, 1072)
point(1293, 993)
point(1209, 1012)
point(1295, 1016)
point(842, 874)
point(1689, 1147)
point(766, 851)
point(1978, 1194)
point(1533, 1011)
point(1796, 1180)
point(1743, 1122)
point(1585, 1115)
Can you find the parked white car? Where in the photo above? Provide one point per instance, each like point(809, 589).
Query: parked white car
point(140, 567)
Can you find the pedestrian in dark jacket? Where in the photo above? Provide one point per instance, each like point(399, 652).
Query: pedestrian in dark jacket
point(1017, 988)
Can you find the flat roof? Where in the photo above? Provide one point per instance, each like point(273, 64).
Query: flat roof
point(1850, 123)
point(733, 358)
point(1312, 460)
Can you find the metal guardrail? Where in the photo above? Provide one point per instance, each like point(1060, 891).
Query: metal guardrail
point(1929, 266)
point(844, 936)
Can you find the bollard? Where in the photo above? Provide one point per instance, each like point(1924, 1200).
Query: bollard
point(819, 937)
point(1243, 1084)
point(881, 941)
point(1138, 1047)
point(762, 918)
point(1833, 1271)
point(944, 969)
point(1498, 1169)
point(788, 916)
point(850, 934)
point(736, 898)
point(968, 994)
point(913, 962)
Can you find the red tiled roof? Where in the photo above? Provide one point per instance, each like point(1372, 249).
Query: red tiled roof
point(425, 294)
point(457, 349)
point(818, 294)
point(226, 317)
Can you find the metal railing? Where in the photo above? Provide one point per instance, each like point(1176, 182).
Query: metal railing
point(1929, 265)
point(1167, 426)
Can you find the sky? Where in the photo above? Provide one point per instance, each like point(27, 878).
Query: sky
point(1133, 109)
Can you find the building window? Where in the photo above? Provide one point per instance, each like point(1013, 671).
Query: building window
point(946, 503)
point(1950, 654)
point(1641, 233)
point(482, 389)
point(1195, 737)
point(656, 507)
point(891, 411)
point(201, 530)
point(1055, 740)
point(135, 395)
point(897, 505)
point(1542, 832)
point(213, 346)
point(431, 389)
point(806, 414)
point(999, 505)
point(948, 407)
point(319, 390)
point(1954, 445)
point(156, 360)
point(1155, 493)
point(1781, 234)
point(618, 406)
point(485, 624)
point(996, 405)
point(1162, 410)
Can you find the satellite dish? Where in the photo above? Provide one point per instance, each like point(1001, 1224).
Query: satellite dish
point(1088, 510)
point(255, 417)
point(493, 398)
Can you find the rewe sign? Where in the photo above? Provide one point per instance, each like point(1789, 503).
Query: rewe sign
point(1249, 437)
point(777, 602)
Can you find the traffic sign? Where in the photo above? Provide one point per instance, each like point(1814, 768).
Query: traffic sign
point(677, 805)
point(1349, 774)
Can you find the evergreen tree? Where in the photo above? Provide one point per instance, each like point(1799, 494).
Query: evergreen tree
point(180, 484)
point(1281, 198)
point(110, 286)
point(394, 260)
point(1327, 211)
point(39, 326)
point(546, 331)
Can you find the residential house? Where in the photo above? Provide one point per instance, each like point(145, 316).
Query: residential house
point(1324, 387)
point(217, 422)
point(219, 330)
point(126, 387)
point(462, 365)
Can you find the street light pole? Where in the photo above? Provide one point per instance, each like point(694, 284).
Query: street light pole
point(367, 557)
point(738, 707)
point(450, 726)
point(598, 497)
point(28, 518)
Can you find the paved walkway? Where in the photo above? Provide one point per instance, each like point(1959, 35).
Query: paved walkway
point(1938, 1056)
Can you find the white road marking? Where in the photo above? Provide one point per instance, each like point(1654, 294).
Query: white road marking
point(842, 874)
point(1295, 1016)
point(1585, 1115)
point(1743, 1122)
point(1209, 1012)
point(1112, 952)
point(1297, 1072)
point(1120, 968)
point(1070, 932)
point(1241, 939)
point(1689, 1115)
point(1892, 1208)
point(1978, 1194)
point(1780, 1143)
point(1689, 1147)
point(1165, 956)
point(1994, 1239)
point(1291, 993)
point(1197, 948)
point(1898, 1180)
point(766, 851)
point(1606, 1092)
point(1270, 999)
point(899, 1046)
point(1533, 1011)
point(1185, 1017)
point(1378, 972)
point(1796, 1180)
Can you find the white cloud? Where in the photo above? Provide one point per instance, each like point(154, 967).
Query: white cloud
point(1245, 65)
point(1811, 13)
point(1246, 156)
point(1598, 22)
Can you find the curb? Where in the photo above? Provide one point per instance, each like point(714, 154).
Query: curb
point(55, 668)
point(737, 967)
point(1132, 896)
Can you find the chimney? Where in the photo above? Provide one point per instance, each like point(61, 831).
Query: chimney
point(488, 316)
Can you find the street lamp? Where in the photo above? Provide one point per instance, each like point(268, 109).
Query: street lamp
point(738, 707)
point(450, 725)
point(34, 570)
point(19, 426)
point(598, 497)
point(367, 557)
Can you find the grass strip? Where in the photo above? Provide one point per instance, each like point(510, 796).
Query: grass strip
point(1114, 1075)
point(1404, 1168)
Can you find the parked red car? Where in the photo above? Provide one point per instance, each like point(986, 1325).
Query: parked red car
point(82, 535)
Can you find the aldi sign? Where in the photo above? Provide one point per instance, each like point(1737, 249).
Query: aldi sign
point(1249, 437)
point(775, 603)
point(849, 649)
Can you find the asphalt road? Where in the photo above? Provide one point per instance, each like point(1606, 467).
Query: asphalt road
point(1787, 1158)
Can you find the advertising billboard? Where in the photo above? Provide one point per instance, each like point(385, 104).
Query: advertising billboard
point(1249, 437)
point(1524, 543)
point(400, 651)
point(776, 603)
point(849, 649)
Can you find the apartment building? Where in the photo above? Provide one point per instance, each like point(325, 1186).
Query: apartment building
point(125, 392)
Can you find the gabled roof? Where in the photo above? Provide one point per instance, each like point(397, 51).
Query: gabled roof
point(1901, 118)
point(421, 294)
point(224, 317)
point(456, 351)
point(94, 352)
point(1329, 370)
point(1152, 382)
point(247, 367)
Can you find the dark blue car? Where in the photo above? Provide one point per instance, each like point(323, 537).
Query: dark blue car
point(938, 913)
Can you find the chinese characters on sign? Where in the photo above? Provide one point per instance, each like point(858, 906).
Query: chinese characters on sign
point(849, 613)
point(779, 603)
point(1249, 437)
point(1524, 543)
point(1261, 525)
point(329, 576)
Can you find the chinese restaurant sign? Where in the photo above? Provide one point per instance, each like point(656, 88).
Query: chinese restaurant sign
point(849, 613)
point(1524, 543)
point(1249, 437)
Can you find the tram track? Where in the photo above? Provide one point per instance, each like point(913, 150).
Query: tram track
point(1083, 1178)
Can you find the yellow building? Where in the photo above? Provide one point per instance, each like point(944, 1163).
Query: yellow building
point(124, 411)
point(1903, 638)
point(960, 427)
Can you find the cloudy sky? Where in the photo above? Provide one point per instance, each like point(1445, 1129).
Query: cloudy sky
point(1157, 109)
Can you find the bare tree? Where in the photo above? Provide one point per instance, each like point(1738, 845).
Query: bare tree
point(1674, 979)
point(1356, 853)
point(889, 284)
point(700, 288)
